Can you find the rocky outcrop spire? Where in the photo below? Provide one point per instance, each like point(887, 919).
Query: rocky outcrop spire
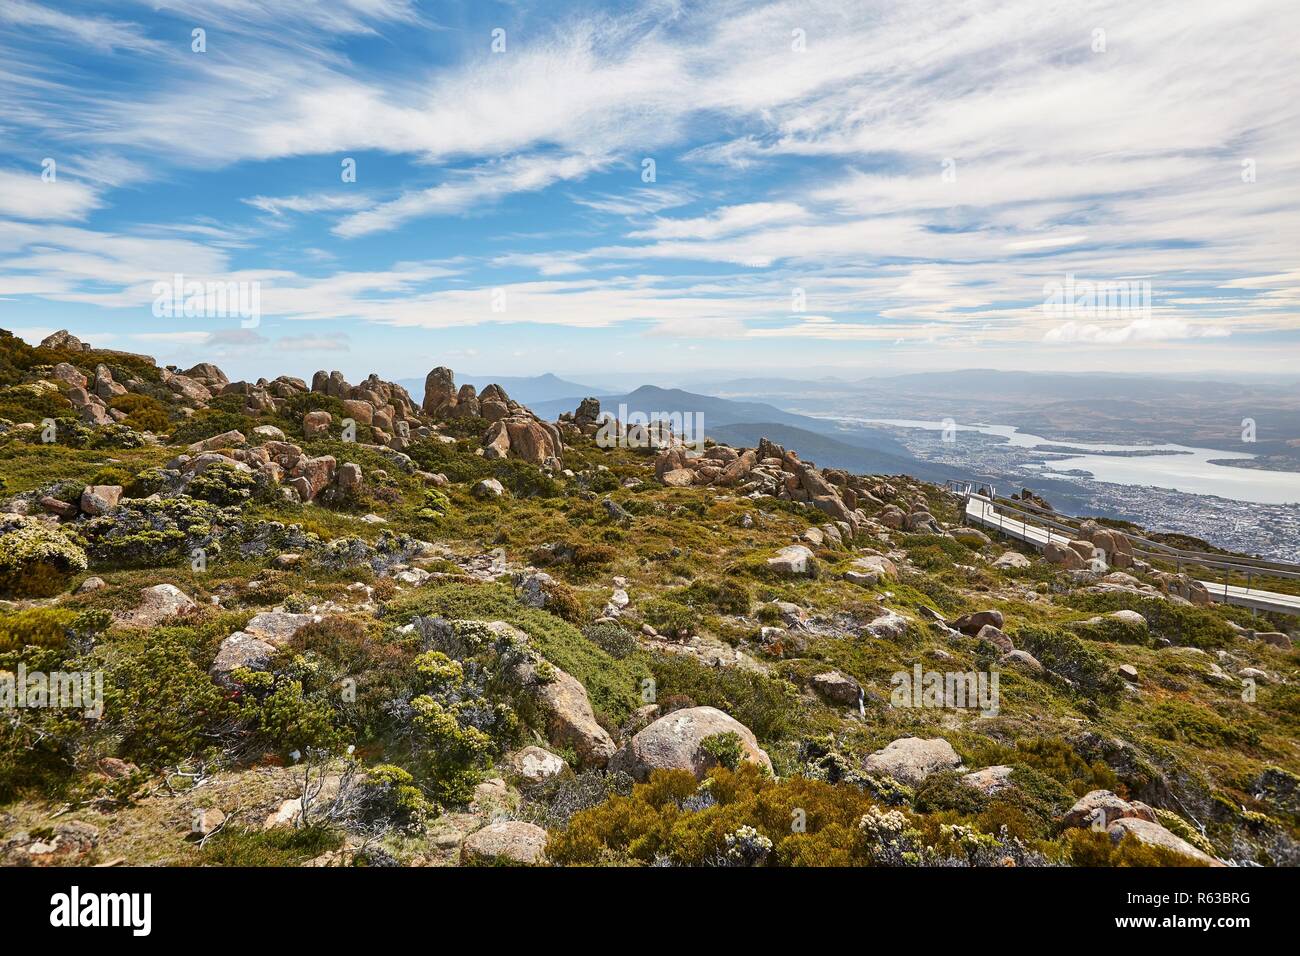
point(439, 390)
point(63, 339)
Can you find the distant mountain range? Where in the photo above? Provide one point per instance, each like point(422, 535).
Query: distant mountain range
point(1061, 406)
point(830, 452)
point(829, 444)
point(1085, 406)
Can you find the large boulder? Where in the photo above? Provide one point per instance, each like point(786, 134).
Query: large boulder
point(588, 412)
point(891, 516)
point(678, 478)
point(105, 387)
point(537, 765)
point(157, 604)
point(1021, 660)
point(487, 488)
point(910, 760)
point(532, 441)
point(675, 742)
point(1098, 809)
point(971, 624)
point(972, 537)
point(193, 392)
point(100, 499)
point(794, 560)
point(870, 570)
point(1153, 834)
point(311, 476)
point(996, 637)
point(990, 780)
point(96, 413)
point(349, 476)
point(507, 843)
point(520, 436)
point(57, 506)
point(209, 375)
point(738, 470)
point(241, 650)
point(69, 375)
point(570, 721)
point(65, 340)
point(316, 424)
point(277, 628)
point(563, 703)
point(1183, 586)
point(1063, 556)
point(1116, 545)
point(230, 439)
point(889, 625)
point(1275, 638)
point(837, 688)
point(921, 522)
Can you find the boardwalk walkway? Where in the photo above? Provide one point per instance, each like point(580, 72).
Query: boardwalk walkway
point(982, 511)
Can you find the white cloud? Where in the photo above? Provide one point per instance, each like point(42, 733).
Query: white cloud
point(25, 195)
point(1104, 165)
point(1139, 330)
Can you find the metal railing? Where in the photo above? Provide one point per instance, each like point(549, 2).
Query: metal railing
point(1145, 547)
point(1246, 567)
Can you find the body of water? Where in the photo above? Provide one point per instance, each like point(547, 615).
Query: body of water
point(1182, 468)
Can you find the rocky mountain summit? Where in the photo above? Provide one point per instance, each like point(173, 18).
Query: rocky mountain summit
point(334, 626)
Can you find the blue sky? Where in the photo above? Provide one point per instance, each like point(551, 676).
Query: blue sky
point(838, 188)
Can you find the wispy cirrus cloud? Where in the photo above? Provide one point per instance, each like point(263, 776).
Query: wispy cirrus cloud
point(913, 178)
point(725, 221)
point(471, 190)
point(105, 33)
point(309, 204)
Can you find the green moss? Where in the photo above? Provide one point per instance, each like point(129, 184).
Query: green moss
point(1094, 848)
point(614, 639)
point(1186, 722)
point(1181, 828)
point(669, 617)
point(39, 627)
point(33, 403)
point(1113, 631)
point(36, 559)
point(283, 846)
